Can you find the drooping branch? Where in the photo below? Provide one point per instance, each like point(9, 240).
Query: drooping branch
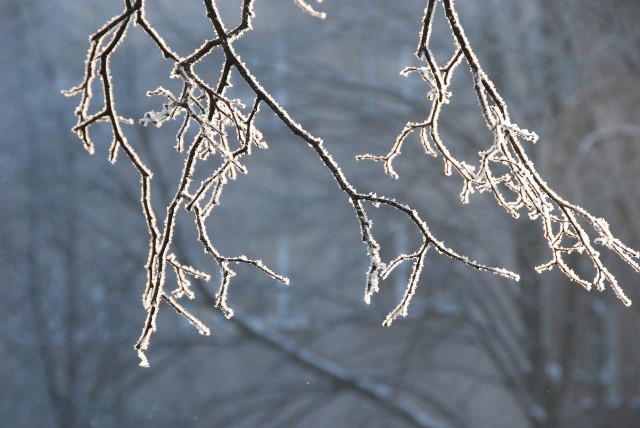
point(565, 224)
point(226, 131)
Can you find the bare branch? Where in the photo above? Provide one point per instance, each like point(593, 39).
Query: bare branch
point(226, 129)
point(564, 224)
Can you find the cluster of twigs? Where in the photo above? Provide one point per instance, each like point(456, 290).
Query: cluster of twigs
point(224, 128)
point(519, 189)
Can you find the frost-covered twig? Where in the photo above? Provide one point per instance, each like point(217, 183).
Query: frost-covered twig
point(307, 8)
point(521, 188)
point(224, 128)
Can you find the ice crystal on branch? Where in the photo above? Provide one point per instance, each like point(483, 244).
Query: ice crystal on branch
point(307, 8)
point(522, 188)
point(213, 124)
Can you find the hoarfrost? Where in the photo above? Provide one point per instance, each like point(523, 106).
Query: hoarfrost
point(226, 129)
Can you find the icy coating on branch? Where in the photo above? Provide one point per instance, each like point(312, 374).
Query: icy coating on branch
point(521, 188)
point(225, 128)
point(307, 8)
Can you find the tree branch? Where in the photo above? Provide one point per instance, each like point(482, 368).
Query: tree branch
point(522, 188)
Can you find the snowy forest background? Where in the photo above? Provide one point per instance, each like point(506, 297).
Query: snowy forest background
point(475, 350)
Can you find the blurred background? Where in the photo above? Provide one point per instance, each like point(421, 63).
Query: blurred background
point(475, 351)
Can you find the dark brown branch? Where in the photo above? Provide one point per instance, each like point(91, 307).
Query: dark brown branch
point(221, 122)
point(522, 189)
